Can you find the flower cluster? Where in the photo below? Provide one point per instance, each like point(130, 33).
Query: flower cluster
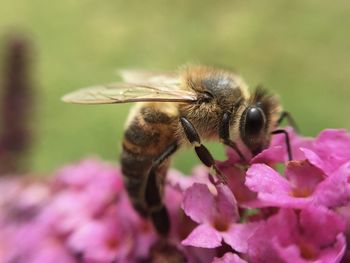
point(271, 210)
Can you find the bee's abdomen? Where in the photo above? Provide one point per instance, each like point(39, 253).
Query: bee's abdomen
point(148, 134)
point(135, 169)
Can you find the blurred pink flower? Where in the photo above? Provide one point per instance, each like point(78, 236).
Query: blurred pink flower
point(97, 182)
point(84, 213)
point(104, 239)
point(229, 258)
point(21, 202)
point(82, 191)
point(50, 250)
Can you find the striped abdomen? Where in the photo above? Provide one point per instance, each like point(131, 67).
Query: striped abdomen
point(149, 133)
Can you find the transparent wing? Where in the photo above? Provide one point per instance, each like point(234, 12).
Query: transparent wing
point(154, 77)
point(126, 92)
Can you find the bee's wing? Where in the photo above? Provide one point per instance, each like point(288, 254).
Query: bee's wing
point(144, 76)
point(127, 92)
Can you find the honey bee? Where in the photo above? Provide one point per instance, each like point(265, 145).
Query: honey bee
point(177, 109)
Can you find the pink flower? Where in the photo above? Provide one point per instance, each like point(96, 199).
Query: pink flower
point(89, 171)
point(105, 239)
point(97, 182)
point(312, 235)
point(217, 216)
point(330, 150)
point(20, 204)
point(21, 240)
point(86, 216)
point(66, 211)
point(303, 184)
point(50, 251)
point(182, 182)
point(344, 212)
point(277, 151)
point(82, 191)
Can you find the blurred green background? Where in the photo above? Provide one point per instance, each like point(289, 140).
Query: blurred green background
point(298, 49)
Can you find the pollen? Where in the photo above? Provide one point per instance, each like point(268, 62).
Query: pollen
point(307, 251)
point(112, 243)
point(220, 224)
point(301, 192)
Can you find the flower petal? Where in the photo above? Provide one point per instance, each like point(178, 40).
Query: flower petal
point(336, 252)
point(289, 253)
point(313, 234)
point(292, 253)
point(260, 247)
point(262, 178)
point(199, 203)
point(226, 203)
point(182, 182)
point(272, 188)
point(238, 235)
point(320, 225)
point(333, 146)
point(296, 142)
point(315, 160)
point(334, 191)
point(229, 258)
point(203, 236)
point(274, 154)
point(280, 228)
point(102, 240)
point(51, 251)
point(303, 175)
point(236, 179)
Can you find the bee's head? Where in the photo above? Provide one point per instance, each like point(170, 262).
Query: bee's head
point(258, 120)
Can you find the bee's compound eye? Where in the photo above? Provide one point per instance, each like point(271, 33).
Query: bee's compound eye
point(254, 121)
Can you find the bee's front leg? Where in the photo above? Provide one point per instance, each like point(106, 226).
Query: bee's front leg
point(224, 134)
point(202, 152)
point(286, 115)
point(287, 140)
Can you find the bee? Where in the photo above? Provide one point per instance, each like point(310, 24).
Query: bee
point(177, 109)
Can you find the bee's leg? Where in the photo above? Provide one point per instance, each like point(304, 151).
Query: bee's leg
point(202, 152)
point(154, 189)
point(224, 134)
point(286, 136)
point(286, 115)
